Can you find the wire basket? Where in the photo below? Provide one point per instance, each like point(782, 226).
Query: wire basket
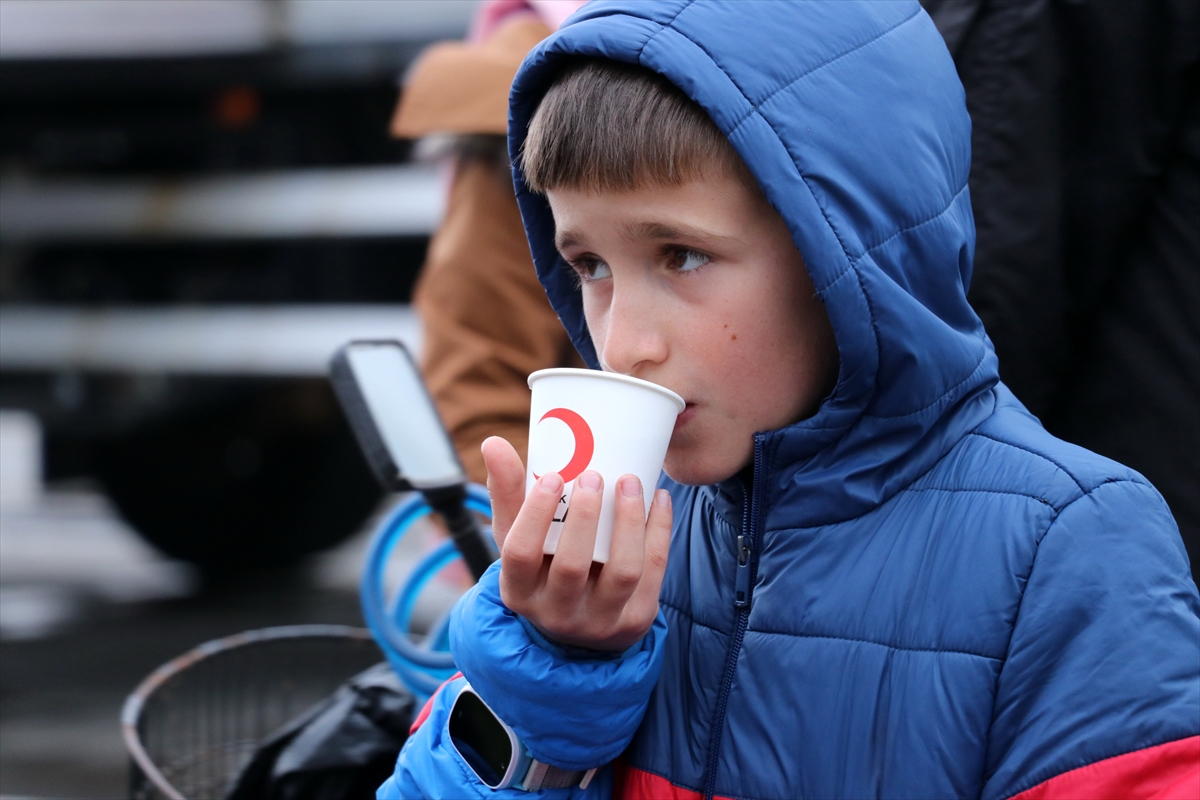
point(196, 721)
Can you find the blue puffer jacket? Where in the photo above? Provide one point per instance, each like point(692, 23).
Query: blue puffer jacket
point(940, 599)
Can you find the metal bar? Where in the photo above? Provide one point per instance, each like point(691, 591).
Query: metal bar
point(131, 28)
point(400, 200)
point(218, 340)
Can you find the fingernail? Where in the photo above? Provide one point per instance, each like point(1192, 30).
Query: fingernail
point(550, 482)
point(662, 498)
point(631, 486)
point(590, 481)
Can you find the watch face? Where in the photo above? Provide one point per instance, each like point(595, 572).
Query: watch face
point(480, 738)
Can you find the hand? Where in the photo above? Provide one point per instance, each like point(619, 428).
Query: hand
point(567, 597)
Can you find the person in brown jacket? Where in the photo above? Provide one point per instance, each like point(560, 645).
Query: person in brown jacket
point(487, 321)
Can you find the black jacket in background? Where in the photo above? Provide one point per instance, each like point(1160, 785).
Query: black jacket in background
point(1085, 183)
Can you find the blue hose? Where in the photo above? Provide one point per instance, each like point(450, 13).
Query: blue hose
point(425, 666)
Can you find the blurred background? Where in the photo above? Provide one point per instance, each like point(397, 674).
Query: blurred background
point(199, 201)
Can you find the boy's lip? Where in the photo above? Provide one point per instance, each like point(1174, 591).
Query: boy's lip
point(685, 416)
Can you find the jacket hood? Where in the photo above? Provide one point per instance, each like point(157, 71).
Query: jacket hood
point(855, 126)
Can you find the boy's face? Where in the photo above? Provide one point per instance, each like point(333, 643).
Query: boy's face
point(699, 288)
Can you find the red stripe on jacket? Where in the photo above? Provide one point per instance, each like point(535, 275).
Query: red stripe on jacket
point(424, 715)
point(630, 783)
point(1168, 771)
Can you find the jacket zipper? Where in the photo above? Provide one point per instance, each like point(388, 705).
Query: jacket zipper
point(743, 589)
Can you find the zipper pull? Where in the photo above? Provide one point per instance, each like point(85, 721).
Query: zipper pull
point(741, 586)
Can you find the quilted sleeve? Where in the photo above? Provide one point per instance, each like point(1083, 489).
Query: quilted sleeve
point(429, 768)
point(575, 710)
point(1099, 695)
point(570, 710)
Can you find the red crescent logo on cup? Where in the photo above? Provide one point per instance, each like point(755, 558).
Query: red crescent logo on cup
point(585, 443)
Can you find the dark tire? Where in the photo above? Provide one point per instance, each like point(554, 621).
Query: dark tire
point(258, 479)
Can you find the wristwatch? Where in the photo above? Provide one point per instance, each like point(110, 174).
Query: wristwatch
point(493, 751)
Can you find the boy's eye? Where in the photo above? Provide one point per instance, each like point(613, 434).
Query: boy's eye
point(590, 269)
point(684, 260)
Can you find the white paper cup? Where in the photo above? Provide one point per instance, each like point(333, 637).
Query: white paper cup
point(584, 419)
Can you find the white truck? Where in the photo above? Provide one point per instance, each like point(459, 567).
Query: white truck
point(199, 202)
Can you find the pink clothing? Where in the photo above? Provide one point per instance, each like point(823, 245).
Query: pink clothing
point(492, 12)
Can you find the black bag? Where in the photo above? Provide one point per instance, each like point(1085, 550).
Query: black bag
point(341, 749)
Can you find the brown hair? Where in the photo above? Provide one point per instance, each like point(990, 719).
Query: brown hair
point(606, 126)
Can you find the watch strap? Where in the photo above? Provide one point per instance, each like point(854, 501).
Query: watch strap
point(544, 776)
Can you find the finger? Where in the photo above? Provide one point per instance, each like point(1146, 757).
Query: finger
point(654, 562)
point(521, 555)
point(505, 484)
point(572, 562)
point(623, 571)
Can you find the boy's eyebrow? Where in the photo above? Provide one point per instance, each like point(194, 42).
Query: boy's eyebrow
point(660, 230)
point(564, 239)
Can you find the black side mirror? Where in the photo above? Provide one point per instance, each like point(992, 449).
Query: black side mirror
point(402, 436)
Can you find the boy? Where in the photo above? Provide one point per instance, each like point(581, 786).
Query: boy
point(871, 573)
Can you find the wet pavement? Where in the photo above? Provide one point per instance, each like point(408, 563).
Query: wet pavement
point(87, 610)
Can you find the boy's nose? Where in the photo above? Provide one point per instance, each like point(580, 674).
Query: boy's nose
point(634, 337)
